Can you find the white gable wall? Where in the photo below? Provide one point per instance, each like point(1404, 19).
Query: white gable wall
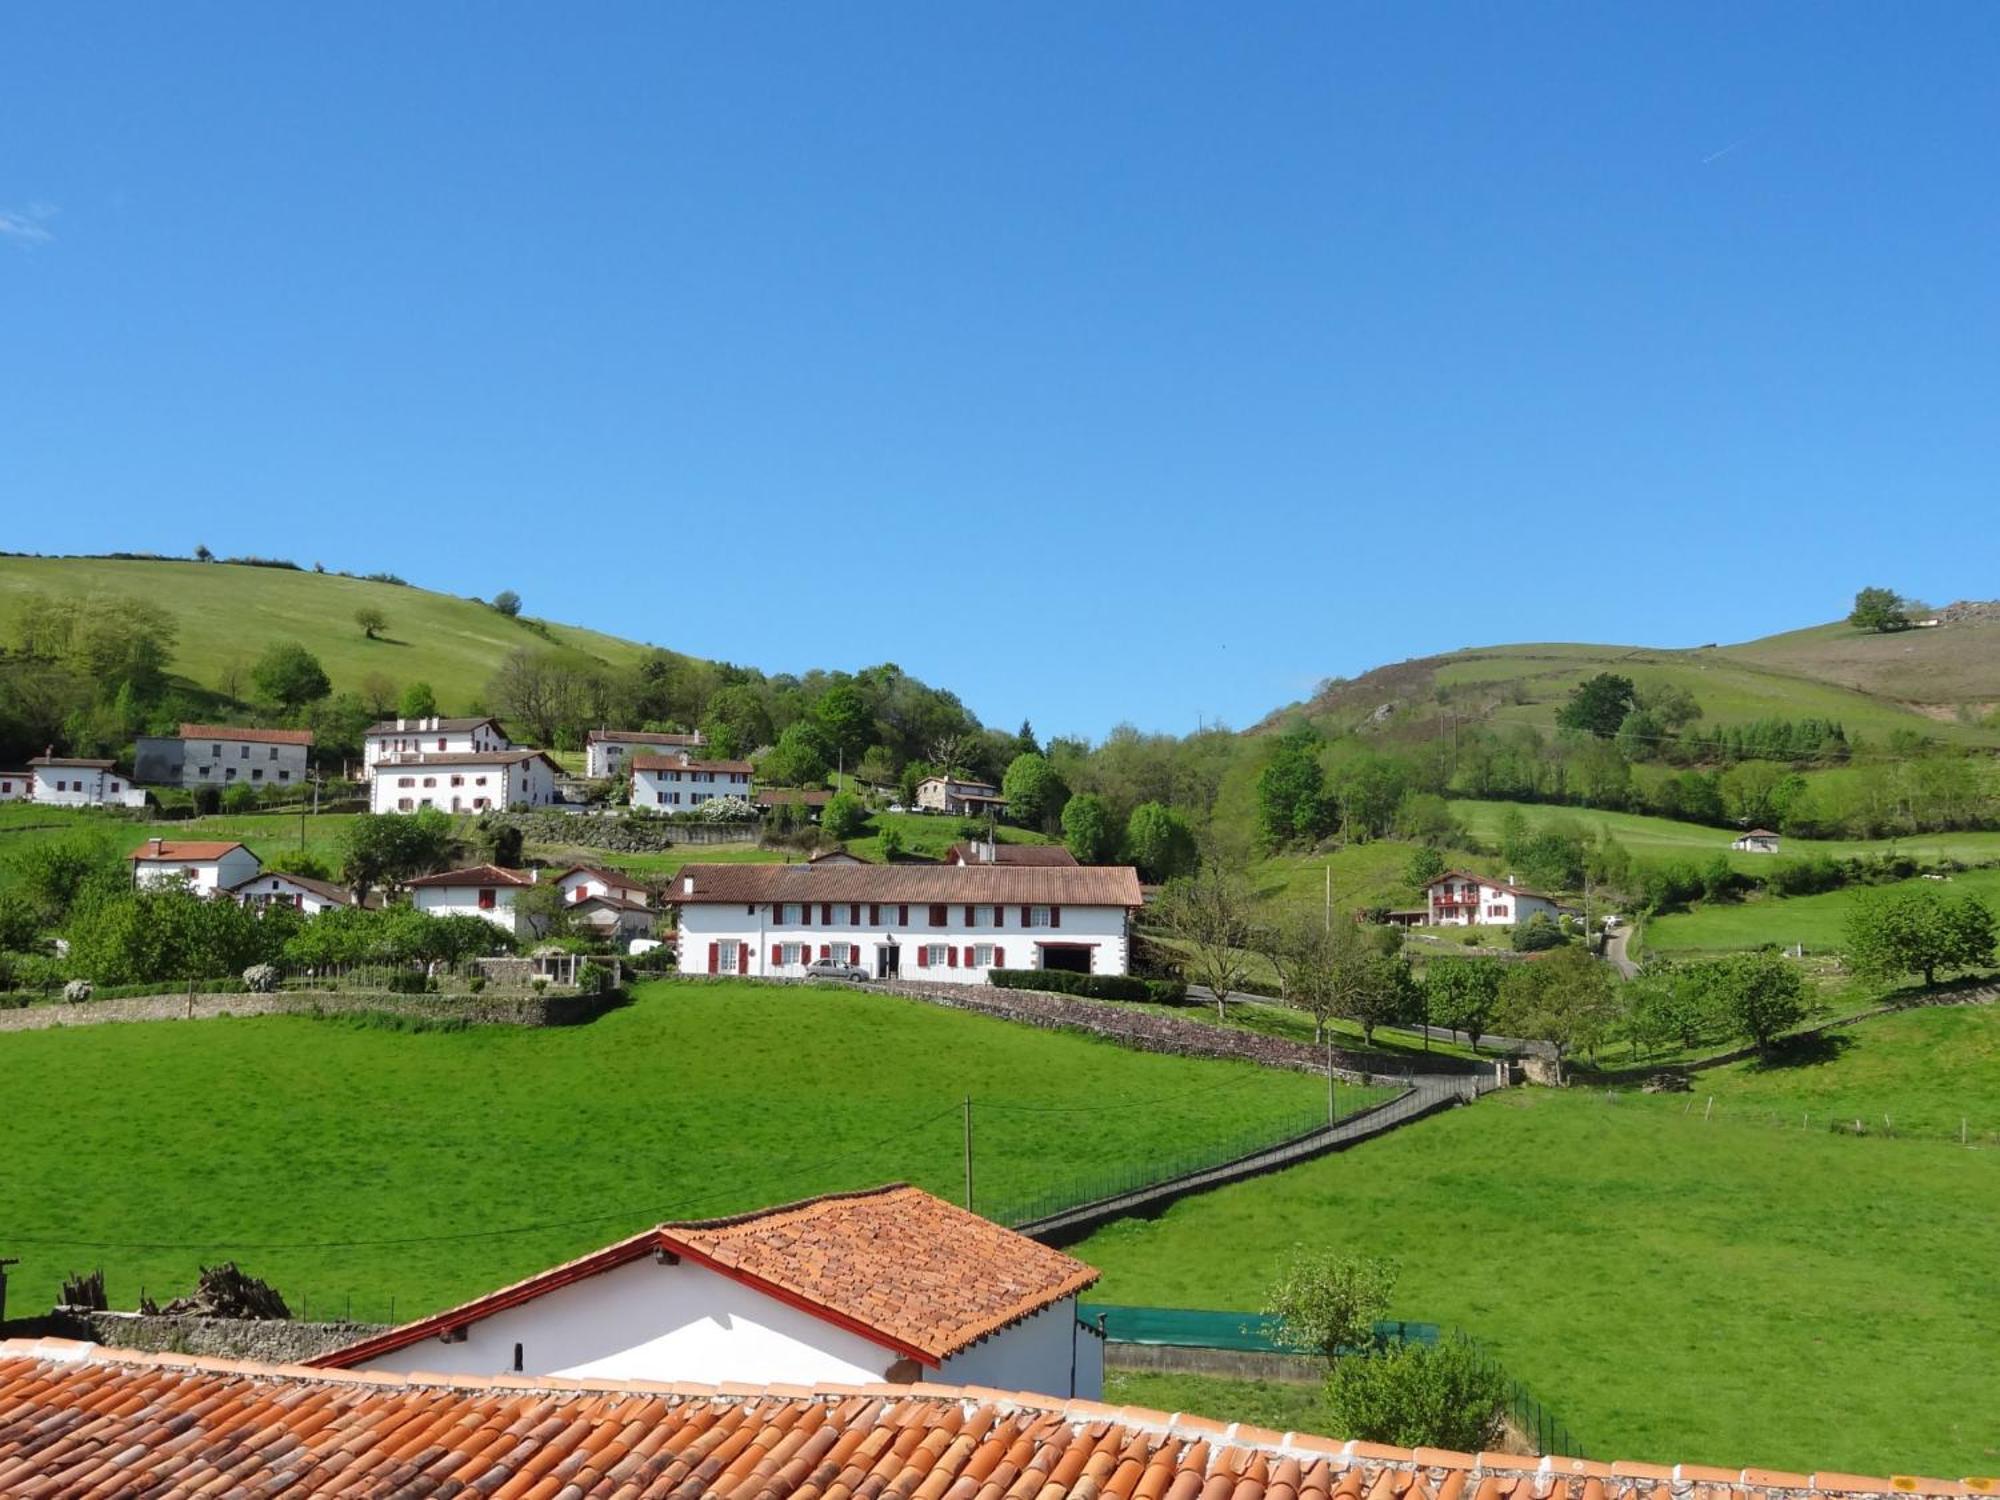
point(1036, 1354)
point(204, 876)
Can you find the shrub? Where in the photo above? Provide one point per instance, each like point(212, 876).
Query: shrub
point(476, 983)
point(1471, 939)
point(1537, 934)
point(539, 983)
point(1443, 1395)
point(76, 992)
point(409, 982)
point(1093, 986)
point(593, 979)
point(260, 979)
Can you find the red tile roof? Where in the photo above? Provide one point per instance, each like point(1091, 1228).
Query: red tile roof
point(1489, 882)
point(681, 763)
point(408, 760)
point(78, 1420)
point(809, 796)
point(1016, 854)
point(640, 737)
point(326, 890)
point(1027, 885)
point(475, 875)
point(249, 736)
point(180, 851)
point(616, 878)
point(894, 1264)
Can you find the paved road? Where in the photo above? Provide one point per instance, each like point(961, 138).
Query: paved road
point(1614, 950)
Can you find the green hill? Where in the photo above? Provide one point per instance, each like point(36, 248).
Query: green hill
point(228, 612)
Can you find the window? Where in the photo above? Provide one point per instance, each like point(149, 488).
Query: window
point(458, 781)
point(440, 742)
point(256, 773)
point(938, 915)
point(284, 775)
point(480, 802)
point(1038, 916)
point(274, 753)
point(728, 960)
point(228, 774)
point(215, 752)
point(203, 770)
point(406, 781)
point(242, 752)
point(854, 915)
point(788, 914)
point(479, 781)
point(982, 956)
point(403, 804)
point(430, 781)
point(937, 955)
point(793, 953)
point(486, 898)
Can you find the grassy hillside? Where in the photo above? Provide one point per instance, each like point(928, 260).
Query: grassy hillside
point(1956, 663)
point(227, 613)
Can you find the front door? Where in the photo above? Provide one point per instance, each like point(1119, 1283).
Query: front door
point(888, 961)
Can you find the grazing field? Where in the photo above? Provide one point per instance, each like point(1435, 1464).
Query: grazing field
point(336, 1159)
point(1959, 663)
point(1673, 1291)
point(1816, 921)
point(228, 613)
point(270, 836)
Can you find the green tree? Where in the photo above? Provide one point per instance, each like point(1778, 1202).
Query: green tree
point(508, 603)
point(1599, 705)
point(1292, 801)
point(1442, 1395)
point(892, 844)
point(846, 719)
point(1208, 915)
point(290, 676)
point(378, 848)
point(1423, 866)
point(371, 620)
point(1879, 609)
point(802, 756)
point(1892, 933)
point(417, 701)
point(1463, 994)
point(737, 716)
point(1330, 1302)
point(1159, 842)
point(1536, 935)
point(1035, 793)
point(1565, 998)
point(843, 816)
point(1089, 829)
point(1760, 995)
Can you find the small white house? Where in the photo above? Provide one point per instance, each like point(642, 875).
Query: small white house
point(960, 799)
point(674, 783)
point(16, 786)
point(946, 923)
point(608, 902)
point(484, 891)
point(228, 755)
point(470, 781)
point(207, 867)
point(1457, 899)
point(890, 1284)
point(1756, 841)
point(430, 736)
point(299, 892)
point(607, 751)
point(68, 781)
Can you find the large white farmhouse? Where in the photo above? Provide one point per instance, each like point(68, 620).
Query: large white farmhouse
point(70, 781)
point(484, 891)
point(225, 755)
point(606, 751)
point(206, 866)
point(891, 1284)
point(433, 736)
point(673, 783)
point(1457, 899)
point(468, 781)
point(950, 923)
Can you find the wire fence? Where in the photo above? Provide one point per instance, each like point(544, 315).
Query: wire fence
point(1828, 1119)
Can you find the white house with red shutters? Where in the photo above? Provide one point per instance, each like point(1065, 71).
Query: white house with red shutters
point(484, 891)
point(469, 781)
point(1459, 899)
point(950, 923)
point(608, 902)
point(300, 892)
point(430, 736)
point(676, 782)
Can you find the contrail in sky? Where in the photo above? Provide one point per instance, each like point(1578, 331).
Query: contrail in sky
point(1718, 155)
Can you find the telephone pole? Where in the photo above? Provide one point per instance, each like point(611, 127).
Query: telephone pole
point(968, 1153)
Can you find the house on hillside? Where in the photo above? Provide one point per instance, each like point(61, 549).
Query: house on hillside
point(72, 781)
point(16, 786)
point(608, 902)
point(944, 923)
point(676, 782)
point(300, 892)
point(988, 852)
point(812, 798)
point(606, 752)
point(223, 755)
point(207, 867)
point(433, 736)
point(959, 799)
point(1756, 841)
point(468, 781)
point(484, 891)
point(887, 1285)
point(1458, 899)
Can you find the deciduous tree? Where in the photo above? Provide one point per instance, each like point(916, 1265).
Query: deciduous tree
point(1879, 609)
point(371, 620)
point(1598, 705)
point(1088, 829)
point(1208, 915)
point(1565, 998)
point(1159, 842)
point(290, 676)
point(1330, 1302)
point(1891, 933)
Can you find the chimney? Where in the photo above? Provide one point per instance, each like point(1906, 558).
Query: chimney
point(687, 885)
point(401, 725)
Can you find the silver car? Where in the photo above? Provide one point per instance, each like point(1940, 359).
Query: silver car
point(833, 968)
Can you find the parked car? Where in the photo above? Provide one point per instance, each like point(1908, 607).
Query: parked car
point(833, 968)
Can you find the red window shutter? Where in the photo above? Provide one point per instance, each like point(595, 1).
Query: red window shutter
point(826, 914)
point(903, 916)
point(999, 916)
point(999, 957)
point(1026, 920)
point(923, 956)
point(1055, 916)
point(854, 915)
point(826, 950)
point(776, 960)
point(806, 914)
point(714, 957)
point(970, 920)
point(951, 957)
point(939, 916)
point(874, 914)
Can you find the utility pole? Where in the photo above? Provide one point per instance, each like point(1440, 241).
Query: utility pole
point(1329, 1082)
point(968, 1153)
point(1329, 895)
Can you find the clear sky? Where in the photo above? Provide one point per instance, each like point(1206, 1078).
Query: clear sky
point(1100, 362)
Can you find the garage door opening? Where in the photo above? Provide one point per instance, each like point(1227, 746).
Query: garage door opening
point(1071, 958)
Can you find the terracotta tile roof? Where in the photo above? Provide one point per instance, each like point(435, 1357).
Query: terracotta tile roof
point(1028, 885)
point(430, 726)
point(610, 877)
point(640, 737)
point(1016, 854)
point(681, 763)
point(326, 890)
point(78, 1420)
point(809, 796)
point(475, 875)
point(1489, 882)
point(894, 1263)
point(180, 851)
point(249, 736)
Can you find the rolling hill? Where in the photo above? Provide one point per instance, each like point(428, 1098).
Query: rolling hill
point(228, 612)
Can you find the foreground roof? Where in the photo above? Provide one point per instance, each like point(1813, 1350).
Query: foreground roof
point(1030, 885)
point(895, 1264)
point(416, 760)
point(179, 850)
point(78, 1420)
point(250, 736)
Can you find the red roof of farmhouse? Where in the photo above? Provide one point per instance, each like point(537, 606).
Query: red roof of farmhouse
point(1028, 885)
point(1489, 882)
point(251, 736)
point(415, 760)
point(894, 1264)
point(80, 1420)
point(475, 875)
point(686, 763)
point(178, 851)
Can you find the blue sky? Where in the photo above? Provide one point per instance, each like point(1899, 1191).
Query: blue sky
point(1100, 362)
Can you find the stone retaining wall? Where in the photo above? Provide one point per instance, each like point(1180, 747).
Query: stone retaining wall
point(477, 1010)
point(281, 1341)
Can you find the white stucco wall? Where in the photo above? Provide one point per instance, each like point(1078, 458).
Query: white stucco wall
point(1100, 927)
point(411, 738)
point(468, 786)
point(607, 757)
point(463, 901)
point(83, 786)
point(687, 786)
point(225, 762)
point(268, 888)
point(204, 876)
point(16, 786)
point(1035, 1354)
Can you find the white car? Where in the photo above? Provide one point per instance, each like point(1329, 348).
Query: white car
point(833, 968)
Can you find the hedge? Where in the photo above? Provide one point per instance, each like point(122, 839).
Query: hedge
point(1091, 986)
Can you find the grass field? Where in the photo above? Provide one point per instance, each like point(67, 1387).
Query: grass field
point(1959, 663)
point(1816, 921)
point(227, 614)
point(269, 835)
point(334, 1159)
point(1673, 1291)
